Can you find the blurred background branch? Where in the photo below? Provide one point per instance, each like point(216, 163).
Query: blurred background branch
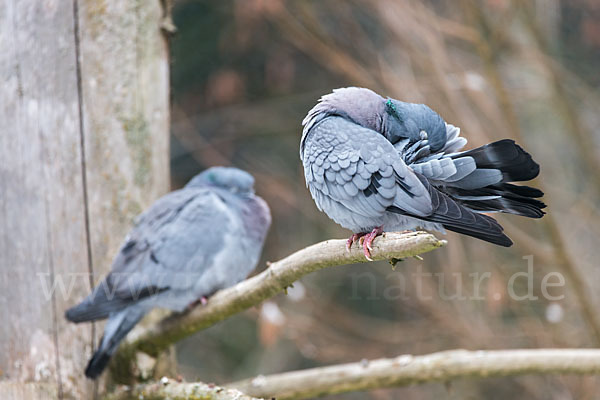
point(408, 370)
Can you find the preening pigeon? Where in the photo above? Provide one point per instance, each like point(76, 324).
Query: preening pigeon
point(372, 163)
point(189, 244)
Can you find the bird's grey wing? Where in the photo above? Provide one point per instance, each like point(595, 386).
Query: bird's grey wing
point(359, 169)
point(177, 249)
point(169, 249)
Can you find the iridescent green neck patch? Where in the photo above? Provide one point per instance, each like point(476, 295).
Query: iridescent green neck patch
point(391, 106)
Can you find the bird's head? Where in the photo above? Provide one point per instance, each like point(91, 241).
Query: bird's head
point(394, 119)
point(229, 178)
point(360, 105)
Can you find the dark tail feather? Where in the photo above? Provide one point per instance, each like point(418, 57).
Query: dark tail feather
point(505, 155)
point(97, 364)
point(116, 329)
point(518, 200)
point(521, 191)
point(516, 165)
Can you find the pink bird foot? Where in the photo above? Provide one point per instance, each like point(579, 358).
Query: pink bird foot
point(367, 240)
point(354, 238)
point(202, 300)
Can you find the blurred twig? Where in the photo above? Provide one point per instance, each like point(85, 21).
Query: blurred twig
point(406, 370)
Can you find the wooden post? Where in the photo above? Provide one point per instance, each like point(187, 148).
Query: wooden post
point(83, 149)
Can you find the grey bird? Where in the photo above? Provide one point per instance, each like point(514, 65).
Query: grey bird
point(189, 244)
point(372, 163)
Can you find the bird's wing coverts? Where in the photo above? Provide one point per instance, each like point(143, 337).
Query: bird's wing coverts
point(358, 168)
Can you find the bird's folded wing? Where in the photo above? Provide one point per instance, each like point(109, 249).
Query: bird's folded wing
point(169, 249)
point(360, 169)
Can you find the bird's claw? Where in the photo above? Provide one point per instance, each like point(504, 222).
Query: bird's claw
point(202, 300)
point(353, 239)
point(367, 240)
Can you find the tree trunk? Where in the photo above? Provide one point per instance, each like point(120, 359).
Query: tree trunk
point(83, 150)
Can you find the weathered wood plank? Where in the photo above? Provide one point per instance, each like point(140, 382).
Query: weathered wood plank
point(42, 229)
point(28, 391)
point(125, 103)
point(125, 81)
point(121, 144)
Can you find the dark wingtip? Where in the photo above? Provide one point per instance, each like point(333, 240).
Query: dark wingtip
point(72, 315)
point(79, 313)
point(97, 364)
point(527, 162)
point(504, 241)
point(498, 239)
point(521, 190)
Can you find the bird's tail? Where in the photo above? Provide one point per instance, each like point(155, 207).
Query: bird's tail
point(117, 327)
point(505, 155)
point(456, 217)
point(515, 165)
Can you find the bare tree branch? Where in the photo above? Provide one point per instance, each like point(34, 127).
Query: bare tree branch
point(406, 370)
point(276, 278)
point(170, 389)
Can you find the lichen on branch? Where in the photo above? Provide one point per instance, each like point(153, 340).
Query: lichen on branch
point(170, 389)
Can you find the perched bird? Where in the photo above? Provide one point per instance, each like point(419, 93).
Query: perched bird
point(372, 163)
point(189, 244)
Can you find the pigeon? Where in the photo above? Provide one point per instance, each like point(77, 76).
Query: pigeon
point(189, 244)
point(372, 163)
